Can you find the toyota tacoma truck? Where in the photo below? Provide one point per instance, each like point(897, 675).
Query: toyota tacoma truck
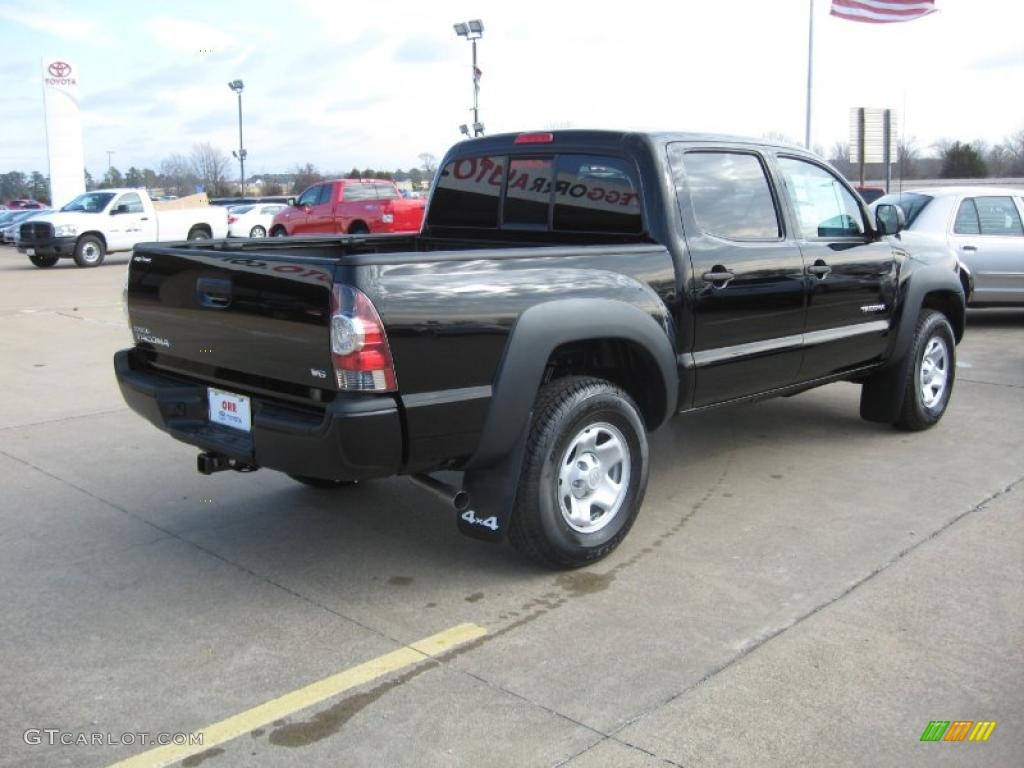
point(97, 223)
point(349, 206)
point(569, 292)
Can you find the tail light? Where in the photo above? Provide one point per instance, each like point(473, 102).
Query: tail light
point(359, 346)
point(232, 219)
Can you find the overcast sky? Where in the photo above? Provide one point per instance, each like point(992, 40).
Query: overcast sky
point(375, 83)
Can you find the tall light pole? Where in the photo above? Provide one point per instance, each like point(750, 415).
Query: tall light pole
point(238, 86)
point(473, 31)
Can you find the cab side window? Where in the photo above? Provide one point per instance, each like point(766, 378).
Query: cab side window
point(326, 192)
point(357, 191)
point(967, 219)
point(998, 216)
point(825, 208)
point(310, 196)
point(386, 192)
point(133, 201)
point(730, 194)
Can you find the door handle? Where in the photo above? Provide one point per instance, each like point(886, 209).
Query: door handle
point(719, 277)
point(968, 248)
point(819, 269)
point(145, 218)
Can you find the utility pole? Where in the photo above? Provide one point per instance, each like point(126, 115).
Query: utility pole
point(237, 86)
point(473, 31)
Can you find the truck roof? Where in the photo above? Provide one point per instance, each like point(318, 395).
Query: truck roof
point(607, 137)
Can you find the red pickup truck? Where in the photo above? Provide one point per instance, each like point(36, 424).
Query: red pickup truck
point(349, 206)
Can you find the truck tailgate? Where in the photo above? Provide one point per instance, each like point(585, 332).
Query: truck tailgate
point(262, 315)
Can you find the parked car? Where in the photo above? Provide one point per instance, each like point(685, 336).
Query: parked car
point(350, 206)
point(252, 220)
point(870, 194)
point(570, 291)
point(10, 232)
point(26, 204)
point(982, 225)
point(97, 223)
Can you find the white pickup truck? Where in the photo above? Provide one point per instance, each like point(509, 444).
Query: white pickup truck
point(108, 220)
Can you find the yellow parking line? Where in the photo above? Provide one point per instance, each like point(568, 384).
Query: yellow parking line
point(289, 703)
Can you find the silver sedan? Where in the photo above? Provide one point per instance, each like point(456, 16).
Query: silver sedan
point(982, 224)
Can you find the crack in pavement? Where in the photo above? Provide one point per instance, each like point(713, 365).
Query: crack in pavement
point(619, 741)
point(768, 637)
point(990, 383)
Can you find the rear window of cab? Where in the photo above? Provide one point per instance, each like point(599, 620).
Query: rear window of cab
point(561, 193)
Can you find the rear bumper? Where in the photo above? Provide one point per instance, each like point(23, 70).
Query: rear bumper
point(62, 247)
point(350, 438)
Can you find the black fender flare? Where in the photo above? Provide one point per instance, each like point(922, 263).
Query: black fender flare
point(492, 474)
point(882, 396)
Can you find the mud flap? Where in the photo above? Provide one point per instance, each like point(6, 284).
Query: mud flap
point(881, 396)
point(492, 494)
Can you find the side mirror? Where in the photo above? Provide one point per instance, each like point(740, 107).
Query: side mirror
point(123, 208)
point(291, 201)
point(890, 219)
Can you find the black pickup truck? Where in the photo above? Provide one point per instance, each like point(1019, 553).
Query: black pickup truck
point(569, 292)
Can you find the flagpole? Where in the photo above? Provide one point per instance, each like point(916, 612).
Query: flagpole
point(810, 72)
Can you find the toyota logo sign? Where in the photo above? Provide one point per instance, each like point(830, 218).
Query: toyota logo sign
point(58, 73)
point(60, 69)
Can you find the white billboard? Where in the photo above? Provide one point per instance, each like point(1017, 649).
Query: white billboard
point(63, 131)
point(867, 127)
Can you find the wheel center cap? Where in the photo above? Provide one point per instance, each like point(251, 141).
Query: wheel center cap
point(594, 478)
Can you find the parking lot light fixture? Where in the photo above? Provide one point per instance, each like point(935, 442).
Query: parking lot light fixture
point(473, 31)
point(238, 86)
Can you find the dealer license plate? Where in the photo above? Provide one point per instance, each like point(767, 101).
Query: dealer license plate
point(230, 409)
point(30, 251)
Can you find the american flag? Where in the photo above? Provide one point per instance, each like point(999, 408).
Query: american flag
point(882, 11)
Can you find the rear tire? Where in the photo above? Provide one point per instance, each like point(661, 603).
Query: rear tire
point(198, 233)
point(44, 261)
point(322, 483)
point(929, 380)
point(584, 473)
point(359, 228)
point(257, 232)
point(89, 251)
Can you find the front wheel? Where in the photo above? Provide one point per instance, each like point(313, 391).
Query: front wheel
point(930, 375)
point(43, 261)
point(584, 474)
point(279, 232)
point(257, 232)
point(89, 251)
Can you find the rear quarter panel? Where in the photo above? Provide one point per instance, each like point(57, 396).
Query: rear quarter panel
point(449, 318)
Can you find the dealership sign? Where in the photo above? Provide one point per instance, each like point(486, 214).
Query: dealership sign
point(63, 131)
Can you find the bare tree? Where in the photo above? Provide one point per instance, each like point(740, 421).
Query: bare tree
point(907, 155)
point(177, 176)
point(428, 163)
point(839, 157)
point(210, 165)
point(305, 176)
point(1006, 159)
